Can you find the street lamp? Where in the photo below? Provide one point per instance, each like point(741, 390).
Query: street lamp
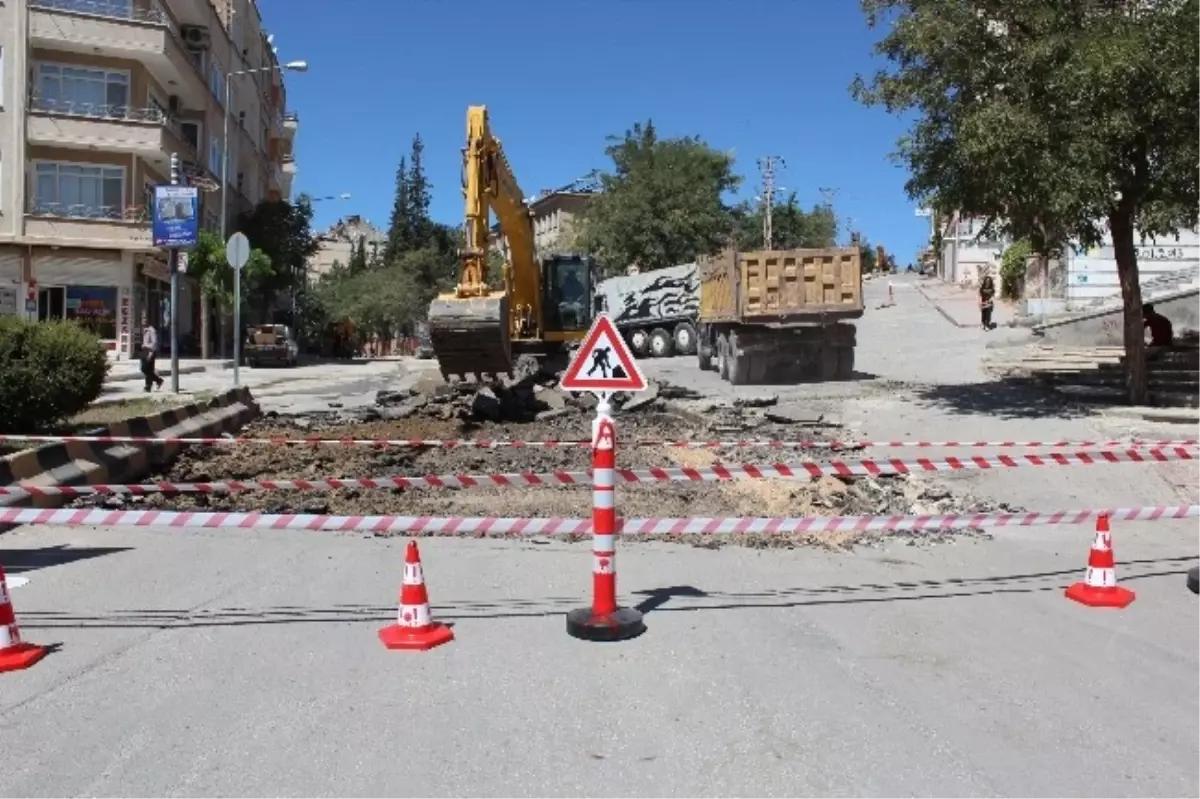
point(290, 66)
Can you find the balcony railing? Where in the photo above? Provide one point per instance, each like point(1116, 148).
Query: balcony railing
point(107, 10)
point(291, 116)
point(99, 213)
point(115, 113)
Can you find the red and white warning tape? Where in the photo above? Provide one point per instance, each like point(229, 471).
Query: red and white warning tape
point(435, 525)
point(654, 475)
point(383, 443)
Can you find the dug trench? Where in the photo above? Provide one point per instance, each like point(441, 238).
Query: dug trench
point(532, 412)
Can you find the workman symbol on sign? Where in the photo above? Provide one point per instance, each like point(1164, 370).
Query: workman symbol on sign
point(600, 361)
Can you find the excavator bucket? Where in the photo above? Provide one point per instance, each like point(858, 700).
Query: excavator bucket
point(471, 335)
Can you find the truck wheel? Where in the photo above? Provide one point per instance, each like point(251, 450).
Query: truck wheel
point(639, 342)
point(723, 357)
point(704, 358)
point(845, 367)
point(660, 343)
point(739, 363)
point(685, 338)
point(828, 363)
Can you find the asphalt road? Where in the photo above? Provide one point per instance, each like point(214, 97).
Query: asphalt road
point(213, 663)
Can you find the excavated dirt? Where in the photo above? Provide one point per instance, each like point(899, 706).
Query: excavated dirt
point(459, 419)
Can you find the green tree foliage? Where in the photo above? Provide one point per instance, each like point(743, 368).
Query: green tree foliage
point(420, 226)
point(358, 257)
point(49, 372)
point(207, 265)
point(283, 232)
point(1058, 121)
point(399, 225)
point(791, 226)
point(1012, 268)
point(661, 204)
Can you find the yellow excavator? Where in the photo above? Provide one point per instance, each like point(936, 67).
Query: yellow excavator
point(543, 305)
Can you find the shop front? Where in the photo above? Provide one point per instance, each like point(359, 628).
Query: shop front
point(152, 296)
point(84, 286)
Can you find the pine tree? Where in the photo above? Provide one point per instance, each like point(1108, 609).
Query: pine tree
point(358, 256)
point(419, 192)
point(399, 226)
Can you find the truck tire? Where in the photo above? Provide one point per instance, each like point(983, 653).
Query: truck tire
point(739, 362)
point(828, 364)
point(639, 342)
point(661, 345)
point(845, 368)
point(685, 338)
point(723, 356)
point(704, 358)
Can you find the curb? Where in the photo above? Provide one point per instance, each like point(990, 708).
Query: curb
point(70, 463)
point(945, 314)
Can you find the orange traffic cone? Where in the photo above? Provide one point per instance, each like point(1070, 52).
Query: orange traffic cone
point(1099, 588)
point(14, 653)
point(414, 627)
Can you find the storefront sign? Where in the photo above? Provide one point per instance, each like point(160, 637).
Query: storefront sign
point(156, 270)
point(124, 319)
point(175, 216)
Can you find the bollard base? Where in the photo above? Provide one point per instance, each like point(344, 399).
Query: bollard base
point(620, 625)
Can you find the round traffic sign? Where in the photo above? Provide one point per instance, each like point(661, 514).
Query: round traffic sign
point(237, 250)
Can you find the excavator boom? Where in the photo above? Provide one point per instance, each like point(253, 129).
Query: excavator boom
point(472, 328)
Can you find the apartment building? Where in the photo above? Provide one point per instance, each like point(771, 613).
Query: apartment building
point(337, 243)
point(553, 213)
point(95, 96)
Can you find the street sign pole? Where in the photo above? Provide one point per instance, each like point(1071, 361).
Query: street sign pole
point(237, 253)
point(173, 266)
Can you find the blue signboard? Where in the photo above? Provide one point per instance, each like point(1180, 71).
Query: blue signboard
point(176, 216)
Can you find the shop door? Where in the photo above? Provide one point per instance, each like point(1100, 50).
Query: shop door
point(52, 303)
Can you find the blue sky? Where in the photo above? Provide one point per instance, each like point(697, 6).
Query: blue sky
point(757, 77)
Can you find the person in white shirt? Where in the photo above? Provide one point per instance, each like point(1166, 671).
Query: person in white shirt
point(150, 355)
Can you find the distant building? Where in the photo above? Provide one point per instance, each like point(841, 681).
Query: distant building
point(554, 211)
point(338, 241)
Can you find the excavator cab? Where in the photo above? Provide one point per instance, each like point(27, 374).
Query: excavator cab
point(567, 286)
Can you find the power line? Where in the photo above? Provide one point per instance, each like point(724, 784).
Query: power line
point(767, 165)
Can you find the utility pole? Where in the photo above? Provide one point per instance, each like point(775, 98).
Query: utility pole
point(173, 264)
point(767, 165)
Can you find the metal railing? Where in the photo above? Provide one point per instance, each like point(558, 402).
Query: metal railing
point(103, 9)
point(291, 116)
point(105, 213)
point(110, 113)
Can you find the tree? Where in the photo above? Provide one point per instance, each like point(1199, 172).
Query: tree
point(1056, 121)
point(398, 240)
point(662, 203)
point(791, 227)
point(207, 265)
point(358, 256)
point(420, 226)
point(283, 231)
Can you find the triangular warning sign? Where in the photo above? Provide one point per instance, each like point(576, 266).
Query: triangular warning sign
point(603, 362)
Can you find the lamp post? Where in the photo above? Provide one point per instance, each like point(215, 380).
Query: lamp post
point(291, 66)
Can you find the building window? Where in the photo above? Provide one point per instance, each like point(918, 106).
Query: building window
point(191, 134)
point(214, 154)
point(94, 308)
point(79, 90)
point(119, 9)
point(216, 80)
point(80, 190)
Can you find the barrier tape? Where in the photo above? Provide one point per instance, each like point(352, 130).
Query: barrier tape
point(483, 526)
point(716, 473)
point(429, 443)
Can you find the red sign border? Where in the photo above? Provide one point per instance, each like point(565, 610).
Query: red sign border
point(571, 381)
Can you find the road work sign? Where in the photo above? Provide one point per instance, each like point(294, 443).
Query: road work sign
point(603, 363)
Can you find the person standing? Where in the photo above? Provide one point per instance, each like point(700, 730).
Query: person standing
point(987, 298)
point(150, 355)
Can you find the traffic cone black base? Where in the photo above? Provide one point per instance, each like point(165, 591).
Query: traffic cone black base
point(620, 625)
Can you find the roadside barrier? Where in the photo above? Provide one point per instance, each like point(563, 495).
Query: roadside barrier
point(716, 473)
point(436, 443)
point(525, 527)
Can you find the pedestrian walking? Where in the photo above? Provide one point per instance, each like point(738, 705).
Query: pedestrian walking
point(987, 298)
point(150, 355)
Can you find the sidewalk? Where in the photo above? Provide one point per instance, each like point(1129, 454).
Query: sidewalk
point(960, 306)
point(132, 369)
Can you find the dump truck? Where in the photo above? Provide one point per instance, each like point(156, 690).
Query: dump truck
point(655, 311)
point(780, 316)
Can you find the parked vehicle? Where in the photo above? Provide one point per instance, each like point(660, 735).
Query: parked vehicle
point(271, 345)
point(655, 311)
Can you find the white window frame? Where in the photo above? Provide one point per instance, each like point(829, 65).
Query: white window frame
point(125, 74)
point(32, 186)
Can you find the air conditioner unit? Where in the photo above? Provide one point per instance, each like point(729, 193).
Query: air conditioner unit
point(195, 37)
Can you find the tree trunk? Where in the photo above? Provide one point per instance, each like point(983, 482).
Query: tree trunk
point(1120, 222)
point(205, 322)
point(222, 331)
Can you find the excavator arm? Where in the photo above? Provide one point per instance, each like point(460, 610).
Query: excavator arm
point(472, 328)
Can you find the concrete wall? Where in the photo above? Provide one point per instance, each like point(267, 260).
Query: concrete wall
point(1092, 274)
point(1106, 328)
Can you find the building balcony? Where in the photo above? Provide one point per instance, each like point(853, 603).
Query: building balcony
point(132, 30)
point(288, 169)
point(87, 126)
point(97, 226)
point(291, 123)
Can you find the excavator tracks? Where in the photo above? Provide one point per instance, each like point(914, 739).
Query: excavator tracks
point(471, 336)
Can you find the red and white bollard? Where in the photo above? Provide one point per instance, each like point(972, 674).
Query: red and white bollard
point(604, 621)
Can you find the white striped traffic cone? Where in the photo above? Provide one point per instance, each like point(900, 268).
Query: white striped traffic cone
point(1099, 588)
point(414, 628)
point(15, 654)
